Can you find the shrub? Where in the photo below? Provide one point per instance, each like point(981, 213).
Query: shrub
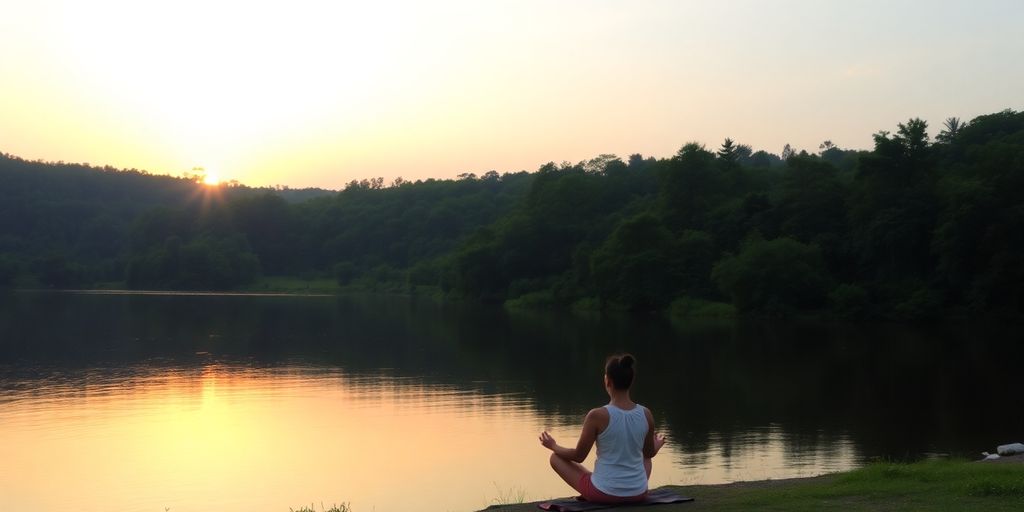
point(344, 271)
point(532, 300)
point(690, 307)
point(848, 300)
point(773, 276)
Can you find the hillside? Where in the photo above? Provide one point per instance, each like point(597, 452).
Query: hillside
point(912, 229)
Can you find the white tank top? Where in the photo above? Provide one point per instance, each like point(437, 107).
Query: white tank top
point(619, 470)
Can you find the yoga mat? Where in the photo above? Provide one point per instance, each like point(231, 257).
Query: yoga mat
point(655, 497)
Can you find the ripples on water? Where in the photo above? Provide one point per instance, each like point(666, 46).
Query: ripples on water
point(232, 437)
point(232, 404)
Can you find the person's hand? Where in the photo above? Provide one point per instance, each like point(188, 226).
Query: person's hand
point(659, 441)
point(547, 440)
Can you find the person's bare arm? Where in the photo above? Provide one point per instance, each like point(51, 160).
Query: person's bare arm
point(654, 441)
point(583, 446)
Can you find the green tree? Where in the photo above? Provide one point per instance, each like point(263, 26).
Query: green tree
point(952, 126)
point(344, 272)
point(689, 185)
point(762, 158)
point(811, 206)
point(727, 152)
point(894, 207)
point(694, 256)
point(634, 267)
point(775, 276)
point(55, 271)
point(266, 222)
point(912, 137)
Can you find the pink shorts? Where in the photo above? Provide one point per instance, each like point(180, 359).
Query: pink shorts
point(593, 494)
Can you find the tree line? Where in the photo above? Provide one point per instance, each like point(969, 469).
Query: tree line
point(914, 228)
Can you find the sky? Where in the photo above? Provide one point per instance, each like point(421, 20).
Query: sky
point(311, 93)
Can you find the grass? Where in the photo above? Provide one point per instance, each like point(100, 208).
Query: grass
point(514, 495)
point(929, 485)
point(334, 508)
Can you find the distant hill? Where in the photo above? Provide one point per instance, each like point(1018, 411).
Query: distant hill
point(76, 225)
point(914, 228)
point(298, 195)
point(109, 182)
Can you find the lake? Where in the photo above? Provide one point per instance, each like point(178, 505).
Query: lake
point(239, 403)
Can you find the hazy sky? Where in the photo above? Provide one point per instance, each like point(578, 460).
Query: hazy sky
point(308, 93)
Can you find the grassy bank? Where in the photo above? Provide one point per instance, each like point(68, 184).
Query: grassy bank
point(930, 485)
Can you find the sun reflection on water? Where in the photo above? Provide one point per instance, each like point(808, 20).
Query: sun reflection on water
point(239, 438)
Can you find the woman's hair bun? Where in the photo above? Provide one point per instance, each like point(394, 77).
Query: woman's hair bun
point(620, 370)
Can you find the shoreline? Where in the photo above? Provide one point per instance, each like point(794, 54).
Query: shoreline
point(693, 491)
point(927, 485)
point(325, 288)
point(172, 293)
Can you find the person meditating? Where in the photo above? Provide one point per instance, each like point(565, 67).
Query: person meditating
point(626, 443)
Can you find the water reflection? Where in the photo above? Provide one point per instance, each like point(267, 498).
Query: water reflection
point(239, 438)
point(232, 437)
point(235, 403)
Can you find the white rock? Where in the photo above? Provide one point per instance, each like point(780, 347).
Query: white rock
point(1010, 449)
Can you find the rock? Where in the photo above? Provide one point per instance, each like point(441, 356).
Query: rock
point(1010, 449)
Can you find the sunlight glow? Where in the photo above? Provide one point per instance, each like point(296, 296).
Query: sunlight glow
point(211, 179)
point(316, 93)
point(210, 437)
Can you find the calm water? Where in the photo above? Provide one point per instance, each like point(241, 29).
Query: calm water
point(198, 403)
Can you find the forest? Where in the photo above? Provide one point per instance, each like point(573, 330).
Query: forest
point(913, 229)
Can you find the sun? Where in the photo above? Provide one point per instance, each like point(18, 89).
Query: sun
point(211, 179)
